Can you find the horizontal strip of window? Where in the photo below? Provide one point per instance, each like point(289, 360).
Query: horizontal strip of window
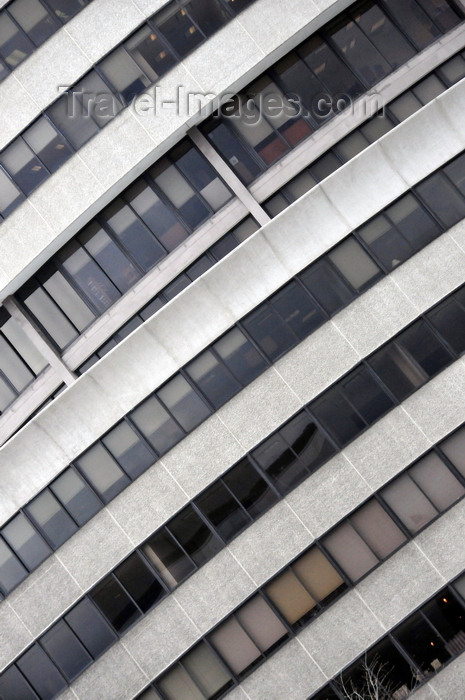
point(76, 116)
point(411, 653)
point(406, 104)
point(291, 599)
point(117, 248)
point(245, 351)
point(27, 24)
point(337, 61)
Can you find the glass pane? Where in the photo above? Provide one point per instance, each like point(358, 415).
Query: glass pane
point(269, 331)
point(115, 604)
point(180, 192)
point(397, 370)
point(168, 558)
point(449, 321)
point(129, 450)
point(429, 88)
point(297, 309)
point(250, 489)
point(350, 551)
point(140, 582)
point(240, 356)
point(109, 256)
point(234, 646)
point(233, 151)
point(70, 117)
point(14, 44)
point(366, 395)
point(443, 199)
point(332, 72)
point(12, 683)
point(194, 536)
point(101, 470)
point(441, 12)
point(422, 643)
point(337, 416)
point(53, 520)
point(377, 529)
point(207, 670)
point(184, 403)
point(290, 597)
point(456, 172)
point(10, 196)
point(41, 673)
point(436, 480)
point(425, 347)
point(201, 174)
point(12, 571)
point(307, 441)
point(213, 378)
point(261, 623)
point(23, 165)
point(48, 144)
point(24, 539)
point(360, 53)
point(354, 264)
point(155, 424)
point(155, 214)
point(223, 511)
point(179, 29)
point(352, 145)
point(280, 463)
point(409, 503)
point(414, 22)
point(123, 74)
point(385, 242)
point(210, 16)
point(418, 227)
point(88, 277)
point(151, 54)
point(76, 496)
point(318, 575)
point(454, 449)
point(388, 40)
point(89, 625)
point(178, 685)
point(65, 9)
point(68, 299)
point(65, 650)
point(133, 234)
point(453, 70)
point(328, 288)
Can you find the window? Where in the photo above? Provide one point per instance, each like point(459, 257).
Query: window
point(409, 503)
point(65, 650)
point(77, 497)
point(290, 597)
point(187, 407)
point(449, 320)
point(251, 490)
point(129, 450)
point(102, 471)
point(90, 627)
point(292, 452)
point(140, 582)
point(318, 575)
point(111, 598)
point(13, 683)
point(12, 571)
point(171, 562)
point(213, 378)
point(200, 675)
point(41, 673)
point(453, 448)
point(51, 518)
point(198, 541)
point(156, 424)
point(223, 510)
point(25, 541)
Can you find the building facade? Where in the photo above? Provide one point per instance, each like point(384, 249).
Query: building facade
point(232, 247)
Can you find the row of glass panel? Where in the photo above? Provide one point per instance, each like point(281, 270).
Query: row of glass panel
point(26, 24)
point(274, 114)
point(242, 354)
point(392, 114)
point(411, 654)
point(348, 552)
point(323, 76)
point(129, 237)
point(103, 92)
